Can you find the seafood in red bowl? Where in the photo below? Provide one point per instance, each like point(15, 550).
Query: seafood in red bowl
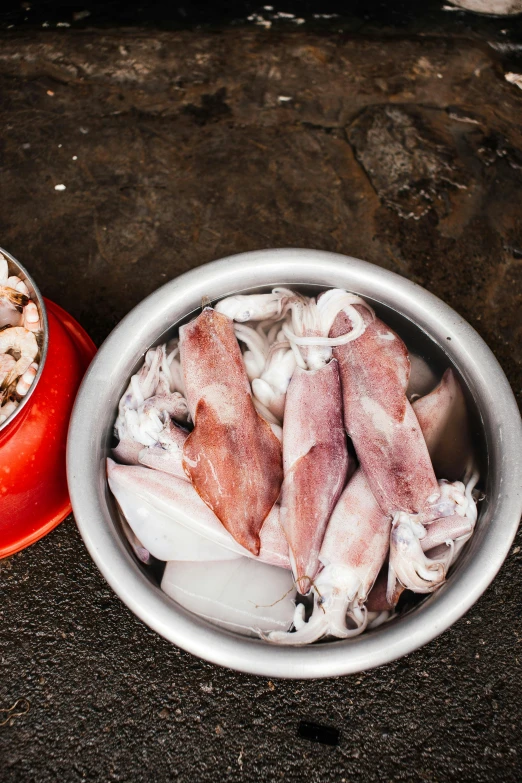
point(44, 353)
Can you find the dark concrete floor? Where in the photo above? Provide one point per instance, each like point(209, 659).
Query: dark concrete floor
point(180, 147)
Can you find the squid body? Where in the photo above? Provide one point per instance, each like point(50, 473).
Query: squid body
point(357, 542)
point(232, 457)
point(316, 462)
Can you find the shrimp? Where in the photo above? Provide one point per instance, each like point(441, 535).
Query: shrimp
point(11, 304)
point(18, 284)
point(12, 296)
point(26, 380)
point(7, 362)
point(31, 317)
point(22, 341)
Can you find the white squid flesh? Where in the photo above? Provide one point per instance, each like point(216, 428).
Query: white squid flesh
point(170, 519)
point(243, 595)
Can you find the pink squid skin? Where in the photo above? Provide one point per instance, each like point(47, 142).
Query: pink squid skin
point(169, 493)
point(358, 533)
point(353, 549)
point(315, 462)
point(446, 529)
point(377, 597)
point(356, 545)
point(443, 417)
point(387, 437)
point(232, 456)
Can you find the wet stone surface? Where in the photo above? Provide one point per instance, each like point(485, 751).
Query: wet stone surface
point(410, 168)
point(177, 148)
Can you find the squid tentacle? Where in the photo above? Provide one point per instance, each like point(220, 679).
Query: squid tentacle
point(336, 598)
point(455, 498)
point(313, 320)
point(255, 357)
point(299, 617)
point(271, 387)
point(408, 563)
point(255, 307)
point(454, 543)
point(378, 618)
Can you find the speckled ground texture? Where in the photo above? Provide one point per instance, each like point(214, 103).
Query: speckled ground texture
point(177, 148)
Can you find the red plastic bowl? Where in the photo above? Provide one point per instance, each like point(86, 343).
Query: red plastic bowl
point(33, 486)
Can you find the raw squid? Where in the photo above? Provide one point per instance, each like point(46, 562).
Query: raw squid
point(422, 378)
point(271, 386)
point(206, 501)
point(172, 522)
point(146, 410)
point(389, 442)
point(149, 402)
point(232, 456)
point(315, 454)
point(316, 462)
point(269, 359)
point(137, 547)
point(442, 542)
point(357, 540)
point(242, 595)
point(142, 386)
point(353, 550)
point(255, 307)
point(443, 418)
point(127, 452)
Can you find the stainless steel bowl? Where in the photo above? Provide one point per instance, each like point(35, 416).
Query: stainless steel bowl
point(153, 321)
point(15, 268)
